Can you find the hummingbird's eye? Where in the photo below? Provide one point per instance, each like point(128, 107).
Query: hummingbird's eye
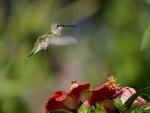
point(58, 25)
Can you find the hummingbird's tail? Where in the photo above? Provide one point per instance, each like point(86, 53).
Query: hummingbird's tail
point(35, 50)
point(31, 54)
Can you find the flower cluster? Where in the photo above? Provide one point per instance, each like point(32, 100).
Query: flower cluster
point(80, 93)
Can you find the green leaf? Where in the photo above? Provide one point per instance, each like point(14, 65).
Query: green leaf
point(130, 101)
point(60, 111)
point(82, 109)
point(92, 110)
point(117, 103)
point(147, 109)
point(136, 109)
point(139, 109)
point(146, 38)
point(99, 109)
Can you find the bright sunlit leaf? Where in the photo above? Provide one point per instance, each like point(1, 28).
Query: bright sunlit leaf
point(99, 109)
point(91, 109)
point(117, 103)
point(82, 109)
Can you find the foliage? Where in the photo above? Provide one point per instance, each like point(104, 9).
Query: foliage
point(110, 34)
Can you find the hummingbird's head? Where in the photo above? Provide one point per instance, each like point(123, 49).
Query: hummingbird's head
point(56, 28)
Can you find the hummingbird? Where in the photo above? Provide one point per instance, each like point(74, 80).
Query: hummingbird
point(53, 38)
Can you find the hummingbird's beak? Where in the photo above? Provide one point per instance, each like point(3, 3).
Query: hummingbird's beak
point(68, 25)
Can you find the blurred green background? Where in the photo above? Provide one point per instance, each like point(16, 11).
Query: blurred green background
point(110, 33)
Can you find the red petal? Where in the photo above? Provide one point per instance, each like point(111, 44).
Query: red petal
point(73, 99)
point(104, 91)
point(65, 101)
point(97, 95)
point(54, 102)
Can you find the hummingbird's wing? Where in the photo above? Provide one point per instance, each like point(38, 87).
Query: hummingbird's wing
point(63, 40)
point(37, 47)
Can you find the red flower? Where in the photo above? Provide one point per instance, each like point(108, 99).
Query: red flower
point(66, 101)
point(103, 92)
point(103, 95)
point(128, 92)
